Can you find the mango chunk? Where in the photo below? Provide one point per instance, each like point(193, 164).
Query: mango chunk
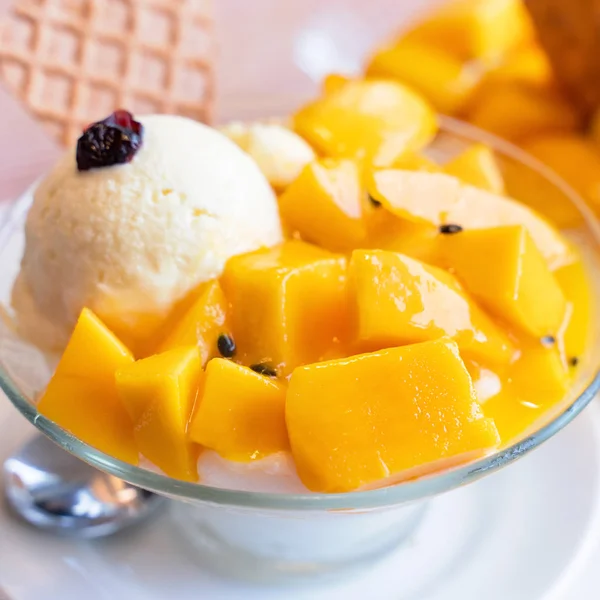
point(400, 301)
point(541, 193)
point(439, 199)
point(159, 393)
point(334, 82)
point(535, 383)
point(516, 111)
point(575, 284)
point(482, 29)
point(289, 304)
point(477, 166)
point(526, 64)
point(503, 269)
point(325, 204)
point(442, 78)
point(375, 120)
point(201, 324)
point(413, 239)
point(81, 396)
point(241, 414)
point(574, 158)
point(375, 419)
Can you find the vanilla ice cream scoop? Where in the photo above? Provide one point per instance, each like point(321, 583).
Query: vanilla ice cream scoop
point(130, 240)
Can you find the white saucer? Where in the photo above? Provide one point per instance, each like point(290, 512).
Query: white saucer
point(523, 533)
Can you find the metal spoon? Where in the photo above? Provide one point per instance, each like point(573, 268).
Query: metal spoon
point(55, 491)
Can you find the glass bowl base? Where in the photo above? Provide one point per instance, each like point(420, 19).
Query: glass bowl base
point(272, 546)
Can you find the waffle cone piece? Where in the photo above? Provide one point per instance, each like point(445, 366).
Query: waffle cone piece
point(569, 31)
point(72, 62)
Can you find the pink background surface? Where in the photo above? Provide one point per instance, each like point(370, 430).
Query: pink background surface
point(272, 54)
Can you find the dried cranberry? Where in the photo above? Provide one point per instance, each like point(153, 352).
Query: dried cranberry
point(113, 141)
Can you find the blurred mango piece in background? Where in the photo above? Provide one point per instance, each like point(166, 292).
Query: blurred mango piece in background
point(444, 79)
point(479, 60)
point(476, 29)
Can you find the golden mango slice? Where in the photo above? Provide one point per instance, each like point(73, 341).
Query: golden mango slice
point(401, 301)
point(289, 304)
point(443, 79)
point(159, 393)
point(201, 324)
point(574, 158)
point(241, 414)
point(477, 166)
point(439, 199)
point(325, 204)
point(503, 269)
point(82, 397)
point(375, 419)
point(516, 111)
point(575, 284)
point(375, 120)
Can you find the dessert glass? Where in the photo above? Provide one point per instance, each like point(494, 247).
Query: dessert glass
point(268, 535)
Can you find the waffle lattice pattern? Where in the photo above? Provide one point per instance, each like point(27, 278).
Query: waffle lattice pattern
point(73, 62)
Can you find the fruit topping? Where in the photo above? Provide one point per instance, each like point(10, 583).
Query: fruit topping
point(450, 228)
point(226, 345)
point(112, 141)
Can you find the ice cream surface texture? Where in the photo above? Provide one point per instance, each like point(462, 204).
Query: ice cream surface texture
point(131, 240)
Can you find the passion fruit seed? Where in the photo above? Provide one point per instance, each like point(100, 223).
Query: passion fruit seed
point(450, 228)
point(226, 345)
point(112, 141)
point(264, 369)
point(548, 341)
point(574, 361)
point(374, 202)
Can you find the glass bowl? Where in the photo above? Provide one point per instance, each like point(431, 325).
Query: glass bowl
point(266, 535)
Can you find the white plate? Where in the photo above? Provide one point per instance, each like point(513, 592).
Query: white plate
point(521, 534)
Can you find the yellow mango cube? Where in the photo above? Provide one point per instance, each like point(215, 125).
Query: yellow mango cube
point(201, 324)
point(527, 64)
point(374, 120)
point(443, 79)
point(439, 199)
point(400, 301)
point(481, 29)
point(503, 269)
point(574, 158)
point(375, 419)
point(532, 386)
point(289, 304)
point(334, 82)
point(477, 166)
point(417, 240)
point(516, 111)
point(575, 284)
point(325, 204)
point(159, 393)
point(241, 414)
point(81, 396)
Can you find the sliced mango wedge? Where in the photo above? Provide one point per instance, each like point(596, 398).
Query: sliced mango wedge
point(440, 199)
point(82, 396)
